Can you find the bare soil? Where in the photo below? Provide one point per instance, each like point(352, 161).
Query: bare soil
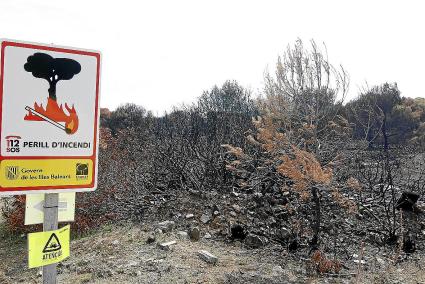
point(120, 254)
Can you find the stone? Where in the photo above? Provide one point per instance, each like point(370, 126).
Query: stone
point(237, 232)
point(409, 244)
point(195, 192)
point(182, 235)
point(420, 205)
point(166, 226)
point(407, 200)
point(381, 261)
point(164, 267)
point(236, 207)
point(205, 218)
point(254, 241)
point(195, 234)
point(132, 263)
point(189, 216)
point(285, 230)
point(207, 257)
point(277, 270)
point(207, 236)
point(233, 214)
point(216, 208)
point(115, 242)
point(150, 239)
point(166, 246)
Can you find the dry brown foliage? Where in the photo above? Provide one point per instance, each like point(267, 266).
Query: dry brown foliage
point(344, 202)
point(353, 183)
point(304, 169)
point(323, 264)
point(268, 137)
point(297, 164)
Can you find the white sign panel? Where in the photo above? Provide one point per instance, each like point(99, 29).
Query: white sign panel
point(49, 118)
point(34, 208)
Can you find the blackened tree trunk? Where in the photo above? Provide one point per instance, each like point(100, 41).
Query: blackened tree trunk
point(317, 217)
point(384, 133)
point(52, 90)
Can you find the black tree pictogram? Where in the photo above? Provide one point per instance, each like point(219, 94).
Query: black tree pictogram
point(53, 70)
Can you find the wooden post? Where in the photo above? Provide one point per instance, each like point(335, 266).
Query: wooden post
point(51, 201)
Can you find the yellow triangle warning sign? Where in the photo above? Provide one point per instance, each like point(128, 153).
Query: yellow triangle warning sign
point(52, 244)
point(45, 248)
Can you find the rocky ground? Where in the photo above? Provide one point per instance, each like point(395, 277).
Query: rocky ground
point(228, 236)
point(129, 253)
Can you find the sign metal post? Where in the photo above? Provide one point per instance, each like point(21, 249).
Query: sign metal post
point(51, 201)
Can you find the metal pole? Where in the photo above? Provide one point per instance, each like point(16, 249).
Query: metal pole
point(51, 201)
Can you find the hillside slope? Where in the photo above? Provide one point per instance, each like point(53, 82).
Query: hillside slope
point(120, 254)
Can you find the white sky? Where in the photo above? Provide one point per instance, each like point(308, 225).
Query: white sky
point(162, 53)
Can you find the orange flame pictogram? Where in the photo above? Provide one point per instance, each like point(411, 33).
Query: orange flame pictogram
point(55, 113)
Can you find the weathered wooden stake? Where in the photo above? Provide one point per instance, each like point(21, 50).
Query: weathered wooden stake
point(51, 201)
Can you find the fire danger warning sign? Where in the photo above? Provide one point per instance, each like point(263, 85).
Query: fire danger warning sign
point(49, 100)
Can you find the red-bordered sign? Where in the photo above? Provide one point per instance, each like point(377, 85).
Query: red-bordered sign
point(49, 115)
